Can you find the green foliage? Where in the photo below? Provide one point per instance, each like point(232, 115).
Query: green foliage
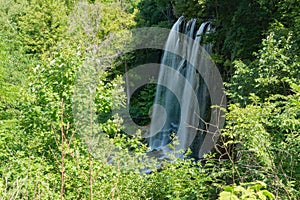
point(265, 142)
point(246, 128)
point(33, 144)
point(93, 22)
point(180, 180)
point(27, 178)
point(10, 87)
point(189, 9)
point(41, 26)
point(14, 64)
point(242, 24)
point(114, 19)
point(51, 87)
point(246, 191)
point(141, 102)
point(155, 13)
point(109, 95)
point(275, 68)
point(48, 47)
point(163, 13)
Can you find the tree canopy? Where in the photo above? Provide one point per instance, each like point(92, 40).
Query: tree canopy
point(49, 49)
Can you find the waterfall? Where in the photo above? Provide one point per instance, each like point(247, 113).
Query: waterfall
point(183, 115)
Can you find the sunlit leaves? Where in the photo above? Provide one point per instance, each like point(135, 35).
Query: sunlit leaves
point(275, 68)
point(41, 26)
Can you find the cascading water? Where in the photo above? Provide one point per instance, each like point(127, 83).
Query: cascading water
point(183, 116)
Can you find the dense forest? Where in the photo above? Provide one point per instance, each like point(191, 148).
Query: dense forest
point(49, 49)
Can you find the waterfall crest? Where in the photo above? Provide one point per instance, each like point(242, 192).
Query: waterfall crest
point(182, 115)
